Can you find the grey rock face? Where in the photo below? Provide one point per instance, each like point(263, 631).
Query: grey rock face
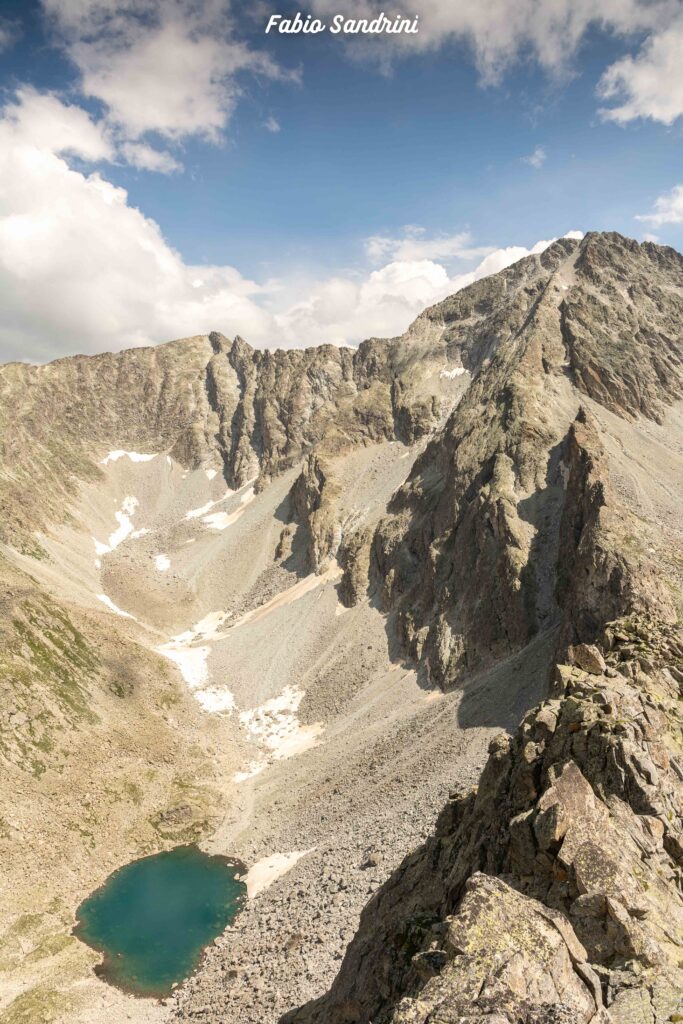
point(622, 327)
point(312, 495)
point(491, 497)
point(505, 955)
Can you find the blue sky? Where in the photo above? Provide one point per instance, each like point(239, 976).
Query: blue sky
point(275, 159)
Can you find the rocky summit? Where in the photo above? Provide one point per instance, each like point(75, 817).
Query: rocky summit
point(398, 627)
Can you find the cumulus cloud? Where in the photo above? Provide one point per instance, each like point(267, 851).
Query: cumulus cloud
point(383, 304)
point(536, 159)
point(147, 158)
point(668, 209)
point(34, 118)
point(167, 67)
point(649, 85)
point(80, 268)
point(342, 310)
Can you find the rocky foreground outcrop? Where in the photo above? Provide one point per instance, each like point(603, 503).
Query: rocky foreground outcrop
point(552, 893)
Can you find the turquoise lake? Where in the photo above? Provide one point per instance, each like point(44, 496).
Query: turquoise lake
point(152, 919)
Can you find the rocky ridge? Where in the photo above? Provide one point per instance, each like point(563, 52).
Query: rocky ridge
point(552, 892)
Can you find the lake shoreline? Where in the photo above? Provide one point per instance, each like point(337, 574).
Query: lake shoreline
point(109, 969)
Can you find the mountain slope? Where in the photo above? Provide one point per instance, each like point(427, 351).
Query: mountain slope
point(297, 594)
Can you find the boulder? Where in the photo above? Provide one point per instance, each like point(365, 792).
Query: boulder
point(588, 658)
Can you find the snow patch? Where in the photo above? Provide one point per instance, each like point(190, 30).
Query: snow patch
point(114, 608)
point(266, 871)
point(119, 454)
point(123, 518)
point(193, 662)
point(457, 371)
point(275, 727)
point(215, 699)
point(218, 520)
point(221, 520)
point(211, 473)
point(195, 513)
point(162, 562)
point(190, 660)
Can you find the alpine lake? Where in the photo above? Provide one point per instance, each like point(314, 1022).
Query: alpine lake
point(153, 918)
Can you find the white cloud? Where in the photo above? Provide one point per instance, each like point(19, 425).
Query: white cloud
point(42, 120)
point(81, 269)
point(501, 31)
point(668, 209)
point(271, 124)
point(342, 310)
point(649, 85)
point(139, 154)
point(163, 66)
point(537, 158)
point(416, 245)
point(384, 304)
point(166, 82)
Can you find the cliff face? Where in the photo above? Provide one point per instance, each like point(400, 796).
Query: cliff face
point(622, 327)
point(469, 556)
point(259, 411)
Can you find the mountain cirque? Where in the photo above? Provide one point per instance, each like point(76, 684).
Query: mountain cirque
point(283, 604)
